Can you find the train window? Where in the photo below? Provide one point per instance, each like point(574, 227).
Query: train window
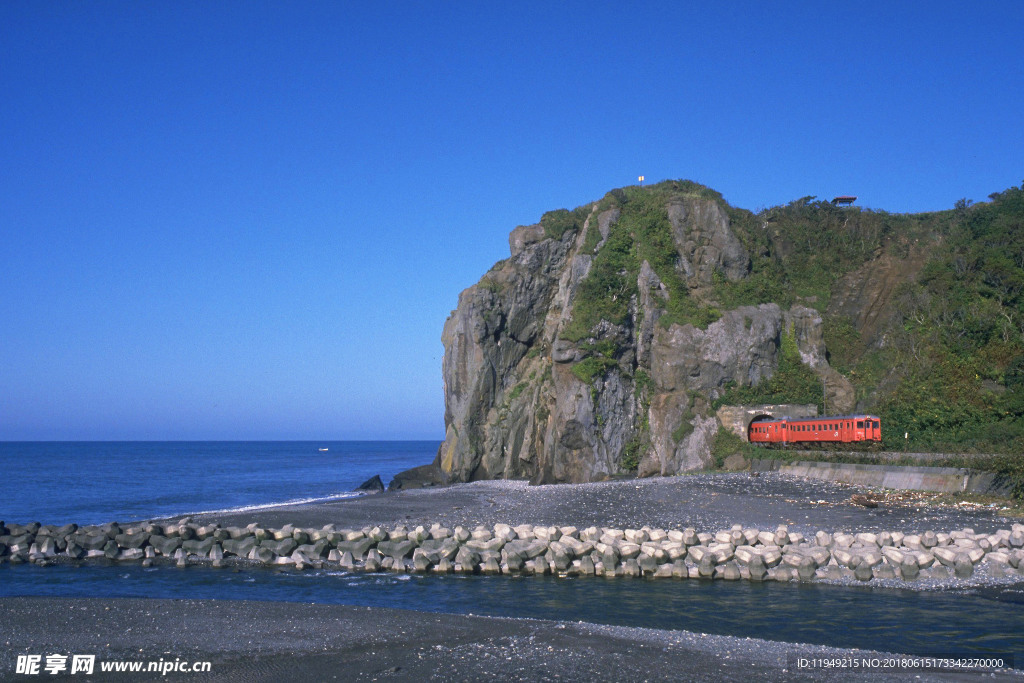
point(860, 424)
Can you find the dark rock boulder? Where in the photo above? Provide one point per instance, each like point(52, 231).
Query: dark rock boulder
point(374, 484)
point(416, 478)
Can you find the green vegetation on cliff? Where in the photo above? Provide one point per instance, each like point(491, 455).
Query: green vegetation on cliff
point(800, 250)
point(797, 252)
point(642, 233)
point(945, 365)
point(956, 346)
point(560, 221)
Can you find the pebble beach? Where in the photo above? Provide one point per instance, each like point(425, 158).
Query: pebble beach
point(703, 527)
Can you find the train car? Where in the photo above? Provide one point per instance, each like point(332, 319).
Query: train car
point(813, 430)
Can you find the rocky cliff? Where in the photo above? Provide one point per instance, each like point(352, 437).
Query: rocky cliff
point(600, 345)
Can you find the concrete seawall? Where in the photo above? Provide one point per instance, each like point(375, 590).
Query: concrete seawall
point(939, 479)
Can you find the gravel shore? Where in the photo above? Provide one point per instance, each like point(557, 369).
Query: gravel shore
point(257, 641)
point(705, 502)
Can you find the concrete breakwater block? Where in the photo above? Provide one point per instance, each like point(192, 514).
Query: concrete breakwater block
point(737, 553)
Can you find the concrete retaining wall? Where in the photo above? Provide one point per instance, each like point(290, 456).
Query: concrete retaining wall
point(939, 479)
point(890, 456)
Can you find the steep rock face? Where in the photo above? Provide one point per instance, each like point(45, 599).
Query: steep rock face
point(806, 323)
point(740, 347)
point(525, 398)
point(496, 323)
point(706, 245)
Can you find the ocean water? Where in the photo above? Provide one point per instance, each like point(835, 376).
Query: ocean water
point(96, 482)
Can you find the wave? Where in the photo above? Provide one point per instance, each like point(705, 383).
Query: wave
point(278, 504)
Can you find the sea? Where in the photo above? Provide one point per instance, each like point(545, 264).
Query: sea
point(93, 482)
point(96, 482)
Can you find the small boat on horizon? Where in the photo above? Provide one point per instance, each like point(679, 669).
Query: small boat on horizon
point(322, 449)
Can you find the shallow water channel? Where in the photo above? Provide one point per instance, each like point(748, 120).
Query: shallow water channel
point(963, 622)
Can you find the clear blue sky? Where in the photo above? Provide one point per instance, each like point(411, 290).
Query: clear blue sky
point(249, 220)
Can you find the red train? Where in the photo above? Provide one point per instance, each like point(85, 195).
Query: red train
point(810, 430)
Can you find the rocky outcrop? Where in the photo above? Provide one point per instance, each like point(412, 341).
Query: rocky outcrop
point(530, 395)
point(806, 323)
point(740, 347)
point(706, 245)
point(416, 478)
point(374, 484)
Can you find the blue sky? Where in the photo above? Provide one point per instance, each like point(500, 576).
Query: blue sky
point(249, 220)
